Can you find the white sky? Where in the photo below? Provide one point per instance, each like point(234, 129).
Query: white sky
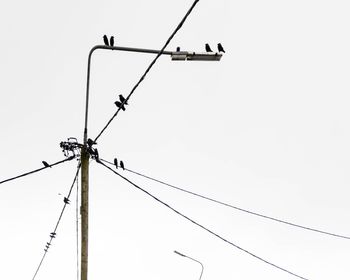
point(265, 129)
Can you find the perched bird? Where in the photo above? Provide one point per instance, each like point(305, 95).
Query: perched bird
point(111, 41)
point(45, 250)
point(116, 163)
point(119, 105)
point(97, 157)
point(53, 234)
point(105, 40)
point(123, 100)
point(178, 49)
point(91, 142)
point(220, 48)
point(207, 48)
point(122, 165)
point(48, 243)
point(45, 164)
point(66, 200)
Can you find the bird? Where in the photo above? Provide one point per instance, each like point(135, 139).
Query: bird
point(45, 250)
point(105, 40)
point(111, 41)
point(207, 48)
point(97, 157)
point(122, 165)
point(116, 163)
point(48, 243)
point(123, 100)
point(66, 200)
point(220, 48)
point(45, 164)
point(91, 142)
point(178, 49)
point(53, 234)
point(119, 105)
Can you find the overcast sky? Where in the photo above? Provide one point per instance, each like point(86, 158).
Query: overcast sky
point(265, 129)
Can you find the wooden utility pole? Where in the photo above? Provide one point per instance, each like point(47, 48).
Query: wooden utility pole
point(84, 210)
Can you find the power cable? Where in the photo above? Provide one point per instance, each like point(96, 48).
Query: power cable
point(36, 170)
point(151, 65)
point(54, 232)
point(203, 227)
point(235, 207)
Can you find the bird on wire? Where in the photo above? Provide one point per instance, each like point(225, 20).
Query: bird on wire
point(119, 105)
point(91, 142)
point(111, 41)
point(116, 163)
point(53, 234)
point(45, 164)
point(207, 48)
point(177, 49)
point(220, 48)
point(122, 165)
point(66, 200)
point(105, 40)
point(123, 100)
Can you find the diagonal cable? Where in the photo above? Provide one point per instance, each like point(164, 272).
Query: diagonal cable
point(151, 65)
point(235, 207)
point(36, 170)
point(205, 228)
point(53, 233)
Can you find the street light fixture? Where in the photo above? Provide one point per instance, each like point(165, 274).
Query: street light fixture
point(194, 56)
point(182, 255)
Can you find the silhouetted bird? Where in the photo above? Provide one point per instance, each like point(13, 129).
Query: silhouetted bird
point(53, 234)
point(91, 142)
point(111, 41)
point(45, 250)
point(122, 165)
point(119, 105)
point(220, 48)
point(207, 48)
point(97, 157)
point(45, 164)
point(116, 163)
point(66, 200)
point(178, 49)
point(48, 244)
point(105, 40)
point(123, 100)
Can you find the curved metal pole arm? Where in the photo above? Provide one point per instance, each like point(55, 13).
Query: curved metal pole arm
point(199, 263)
point(126, 49)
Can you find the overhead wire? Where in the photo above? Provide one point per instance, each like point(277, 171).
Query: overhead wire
point(36, 170)
point(235, 207)
point(53, 233)
point(151, 65)
point(203, 227)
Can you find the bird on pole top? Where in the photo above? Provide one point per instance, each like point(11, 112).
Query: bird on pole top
point(105, 40)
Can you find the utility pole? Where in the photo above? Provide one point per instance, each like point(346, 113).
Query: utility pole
point(84, 211)
point(85, 155)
